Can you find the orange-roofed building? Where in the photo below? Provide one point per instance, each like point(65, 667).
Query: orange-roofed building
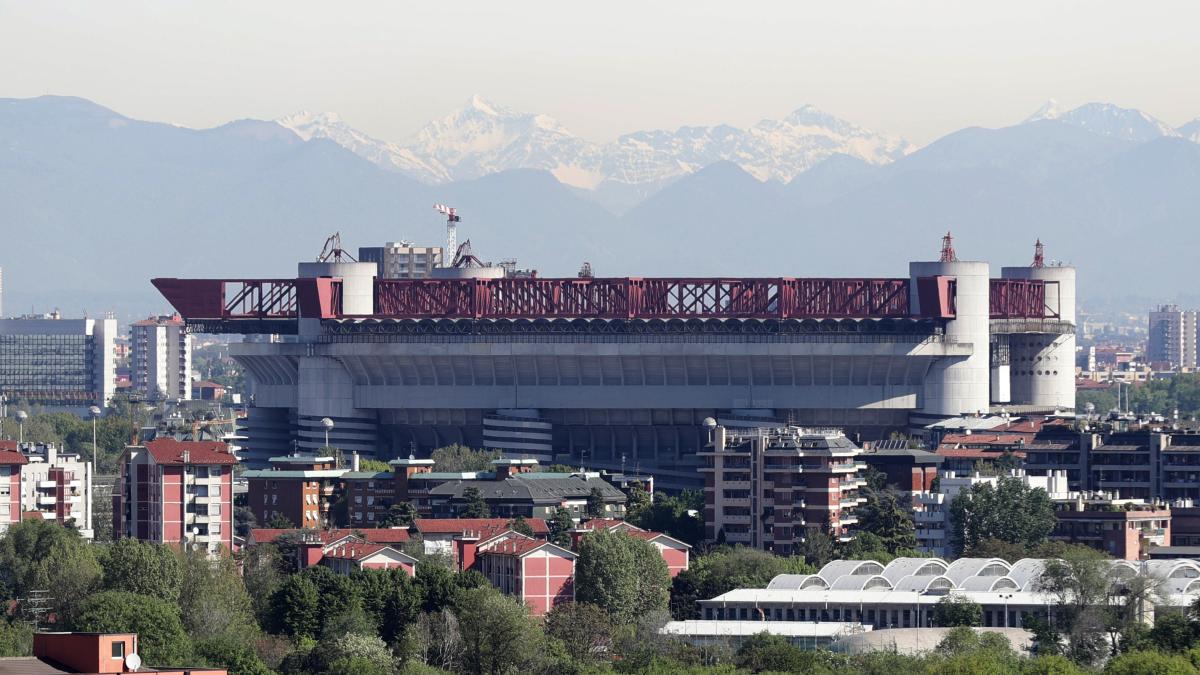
point(537, 572)
point(177, 492)
point(92, 654)
point(675, 553)
point(352, 554)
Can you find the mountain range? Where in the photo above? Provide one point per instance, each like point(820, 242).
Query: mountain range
point(94, 203)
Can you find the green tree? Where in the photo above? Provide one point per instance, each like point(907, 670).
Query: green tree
point(280, 522)
point(373, 465)
point(162, 639)
point(1079, 582)
point(391, 598)
point(243, 521)
point(263, 572)
point(36, 555)
point(296, 608)
point(584, 629)
point(624, 575)
point(886, 516)
point(957, 610)
point(475, 506)
point(639, 501)
point(233, 655)
point(16, 638)
point(213, 600)
point(595, 503)
point(1009, 511)
point(763, 652)
point(1172, 632)
point(1149, 663)
point(519, 524)
point(681, 517)
point(457, 458)
point(725, 569)
point(142, 567)
point(400, 514)
point(497, 632)
point(560, 525)
point(435, 585)
point(818, 548)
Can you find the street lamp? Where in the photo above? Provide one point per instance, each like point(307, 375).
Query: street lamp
point(21, 417)
point(95, 412)
point(327, 424)
point(1006, 597)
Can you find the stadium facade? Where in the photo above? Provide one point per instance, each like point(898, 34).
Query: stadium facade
point(619, 373)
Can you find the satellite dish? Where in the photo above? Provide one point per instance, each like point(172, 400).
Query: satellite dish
point(133, 662)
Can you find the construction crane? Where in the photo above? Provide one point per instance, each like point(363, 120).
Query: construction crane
point(451, 231)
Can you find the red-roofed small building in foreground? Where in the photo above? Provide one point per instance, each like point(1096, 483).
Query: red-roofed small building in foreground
point(90, 653)
point(176, 492)
point(353, 554)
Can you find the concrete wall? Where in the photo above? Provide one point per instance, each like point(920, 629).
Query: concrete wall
point(1043, 365)
point(960, 385)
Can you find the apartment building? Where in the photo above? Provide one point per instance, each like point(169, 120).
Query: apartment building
point(301, 487)
point(1172, 341)
point(767, 487)
point(402, 260)
point(11, 462)
point(57, 485)
point(177, 492)
point(160, 360)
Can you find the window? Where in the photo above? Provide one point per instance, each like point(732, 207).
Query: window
point(118, 650)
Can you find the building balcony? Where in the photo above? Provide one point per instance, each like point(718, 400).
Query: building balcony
point(47, 484)
point(75, 484)
point(46, 500)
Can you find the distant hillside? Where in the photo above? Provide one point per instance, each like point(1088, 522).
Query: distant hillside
point(93, 204)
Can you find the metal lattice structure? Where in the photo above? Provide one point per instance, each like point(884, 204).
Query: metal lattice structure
point(275, 300)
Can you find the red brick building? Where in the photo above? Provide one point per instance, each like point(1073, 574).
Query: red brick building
point(766, 488)
point(11, 461)
point(299, 487)
point(1125, 534)
point(352, 554)
point(176, 492)
point(317, 544)
point(538, 573)
point(447, 535)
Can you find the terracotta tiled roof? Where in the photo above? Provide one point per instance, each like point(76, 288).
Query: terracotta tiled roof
point(12, 456)
point(605, 524)
point(380, 536)
point(8, 445)
point(651, 536)
point(355, 550)
point(982, 439)
point(170, 451)
point(481, 527)
point(973, 453)
point(521, 546)
point(31, 515)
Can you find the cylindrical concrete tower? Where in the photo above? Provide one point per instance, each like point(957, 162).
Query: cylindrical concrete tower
point(1043, 364)
point(358, 282)
point(958, 385)
point(324, 387)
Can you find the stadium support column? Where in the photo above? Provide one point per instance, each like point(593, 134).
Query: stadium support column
point(325, 388)
point(1043, 363)
point(959, 385)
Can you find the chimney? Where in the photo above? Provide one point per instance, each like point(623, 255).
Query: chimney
point(467, 546)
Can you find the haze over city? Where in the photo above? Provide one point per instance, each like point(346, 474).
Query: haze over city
point(545, 338)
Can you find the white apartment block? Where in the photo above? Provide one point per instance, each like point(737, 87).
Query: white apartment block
point(1173, 337)
point(402, 260)
point(161, 358)
point(57, 484)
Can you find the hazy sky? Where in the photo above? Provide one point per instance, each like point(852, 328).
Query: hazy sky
point(918, 69)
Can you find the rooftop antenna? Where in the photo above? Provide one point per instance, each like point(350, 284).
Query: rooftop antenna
point(1039, 254)
point(948, 249)
point(451, 226)
point(333, 251)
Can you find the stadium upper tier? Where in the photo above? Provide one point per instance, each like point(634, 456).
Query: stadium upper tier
point(267, 305)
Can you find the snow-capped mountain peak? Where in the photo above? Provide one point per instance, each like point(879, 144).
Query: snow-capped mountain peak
point(483, 137)
point(1191, 130)
point(1107, 119)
